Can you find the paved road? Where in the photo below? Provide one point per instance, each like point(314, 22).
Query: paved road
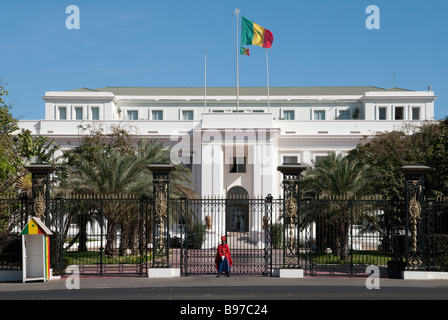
point(211, 297)
point(234, 297)
point(233, 288)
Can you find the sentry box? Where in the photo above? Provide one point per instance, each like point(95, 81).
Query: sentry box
point(36, 251)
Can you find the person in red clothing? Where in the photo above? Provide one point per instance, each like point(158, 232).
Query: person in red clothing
point(223, 259)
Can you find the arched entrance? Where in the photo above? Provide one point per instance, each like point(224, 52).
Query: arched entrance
point(237, 209)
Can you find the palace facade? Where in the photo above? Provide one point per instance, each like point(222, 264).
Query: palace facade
point(233, 144)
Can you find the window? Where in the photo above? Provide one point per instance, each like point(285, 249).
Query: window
point(415, 113)
point(157, 115)
point(257, 110)
point(288, 115)
point(78, 113)
point(217, 110)
point(239, 164)
point(399, 113)
point(187, 115)
point(95, 113)
point(290, 159)
point(344, 115)
point(319, 115)
point(62, 113)
point(132, 115)
point(382, 113)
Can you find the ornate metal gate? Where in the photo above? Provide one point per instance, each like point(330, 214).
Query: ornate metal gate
point(245, 222)
point(340, 236)
point(125, 234)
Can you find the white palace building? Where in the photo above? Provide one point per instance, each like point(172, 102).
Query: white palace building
point(234, 143)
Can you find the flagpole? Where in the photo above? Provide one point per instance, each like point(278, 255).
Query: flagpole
point(267, 79)
point(237, 11)
point(205, 80)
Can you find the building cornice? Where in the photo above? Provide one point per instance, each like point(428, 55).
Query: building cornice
point(54, 95)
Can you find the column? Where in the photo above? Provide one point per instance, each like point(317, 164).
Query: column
point(212, 171)
point(217, 170)
point(212, 178)
point(262, 184)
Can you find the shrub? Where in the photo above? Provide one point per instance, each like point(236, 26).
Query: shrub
point(10, 251)
point(277, 235)
point(196, 235)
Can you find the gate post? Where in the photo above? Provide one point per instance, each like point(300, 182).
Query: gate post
point(414, 245)
point(183, 235)
point(40, 189)
point(267, 227)
point(291, 216)
point(161, 219)
point(143, 238)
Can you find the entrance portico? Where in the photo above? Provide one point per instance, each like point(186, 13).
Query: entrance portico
point(238, 150)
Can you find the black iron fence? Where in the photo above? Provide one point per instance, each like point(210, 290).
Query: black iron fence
point(120, 234)
point(99, 234)
point(436, 235)
point(14, 214)
point(345, 236)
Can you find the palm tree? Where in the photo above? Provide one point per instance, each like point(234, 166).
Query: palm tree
point(111, 174)
point(337, 179)
point(114, 172)
point(338, 176)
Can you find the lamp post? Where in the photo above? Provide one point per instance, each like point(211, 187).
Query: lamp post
point(291, 213)
point(40, 189)
point(414, 180)
point(161, 195)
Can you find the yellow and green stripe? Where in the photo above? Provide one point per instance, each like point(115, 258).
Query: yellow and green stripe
point(254, 34)
point(32, 228)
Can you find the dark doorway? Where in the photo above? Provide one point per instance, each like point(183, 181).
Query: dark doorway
point(237, 210)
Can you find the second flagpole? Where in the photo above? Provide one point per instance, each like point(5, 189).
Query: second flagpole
point(237, 11)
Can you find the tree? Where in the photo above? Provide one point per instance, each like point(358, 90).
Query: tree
point(9, 161)
point(339, 176)
point(18, 149)
point(389, 151)
point(338, 179)
point(35, 149)
point(431, 141)
point(115, 164)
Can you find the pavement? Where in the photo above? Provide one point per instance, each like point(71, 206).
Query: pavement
point(237, 283)
point(236, 296)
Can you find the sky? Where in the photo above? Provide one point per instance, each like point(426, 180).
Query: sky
point(161, 43)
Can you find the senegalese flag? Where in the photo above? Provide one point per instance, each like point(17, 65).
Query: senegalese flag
point(252, 33)
point(244, 51)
